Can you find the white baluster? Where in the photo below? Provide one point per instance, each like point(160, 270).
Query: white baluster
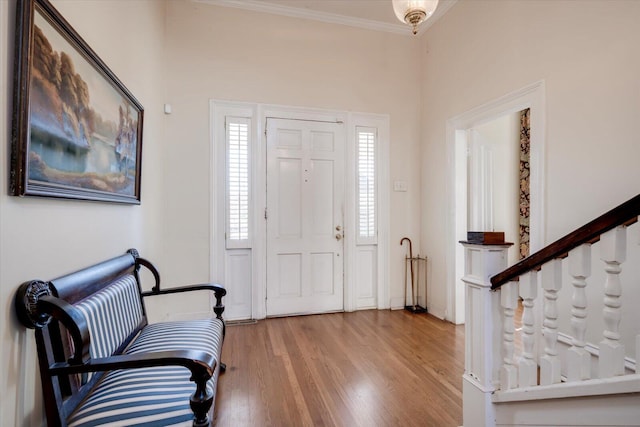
point(528, 368)
point(509, 302)
point(613, 247)
point(579, 359)
point(551, 283)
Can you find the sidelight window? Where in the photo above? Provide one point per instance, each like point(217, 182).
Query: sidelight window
point(237, 130)
point(366, 185)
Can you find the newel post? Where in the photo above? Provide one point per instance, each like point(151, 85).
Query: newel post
point(483, 331)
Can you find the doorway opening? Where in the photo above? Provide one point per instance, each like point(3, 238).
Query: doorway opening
point(497, 185)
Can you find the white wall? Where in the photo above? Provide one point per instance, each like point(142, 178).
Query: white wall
point(587, 54)
point(229, 54)
point(45, 238)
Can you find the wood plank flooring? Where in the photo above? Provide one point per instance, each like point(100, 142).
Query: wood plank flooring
point(367, 368)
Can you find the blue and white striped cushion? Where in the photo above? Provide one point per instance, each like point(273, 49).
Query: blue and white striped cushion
point(152, 396)
point(139, 397)
point(203, 335)
point(111, 314)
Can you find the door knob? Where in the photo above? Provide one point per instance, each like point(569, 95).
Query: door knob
point(338, 228)
point(338, 236)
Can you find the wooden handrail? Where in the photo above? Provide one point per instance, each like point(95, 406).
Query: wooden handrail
point(625, 214)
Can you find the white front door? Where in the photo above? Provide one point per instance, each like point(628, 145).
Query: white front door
point(305, 204)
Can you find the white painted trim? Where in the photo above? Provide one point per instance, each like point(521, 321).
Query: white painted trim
point(381, 122)
point(596, 387)
point(443, 7)
point(531, 96)
point(332, 18)
point(477, 410)
point(459, 209)
point(216, 248)
point(350, 232)
point(259, 114)
point(384, 213)
point(218, 111)
point(474, 381)
point(259, 284)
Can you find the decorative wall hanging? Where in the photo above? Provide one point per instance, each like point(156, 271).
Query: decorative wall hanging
point(525, 178)
point(77, 130)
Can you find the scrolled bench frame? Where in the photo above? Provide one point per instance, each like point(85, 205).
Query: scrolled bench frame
point(49, 308)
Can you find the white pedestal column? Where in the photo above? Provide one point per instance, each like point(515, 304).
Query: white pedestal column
point(483, 332)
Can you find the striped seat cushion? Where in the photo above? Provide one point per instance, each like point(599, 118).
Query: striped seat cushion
point(152, 396)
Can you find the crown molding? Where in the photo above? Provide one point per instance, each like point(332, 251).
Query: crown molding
point(331, 18)
point(443, 7)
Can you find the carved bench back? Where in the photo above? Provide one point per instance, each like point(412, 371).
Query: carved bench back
point(108, 297)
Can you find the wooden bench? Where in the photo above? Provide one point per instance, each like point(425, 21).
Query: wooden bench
point(101, 362)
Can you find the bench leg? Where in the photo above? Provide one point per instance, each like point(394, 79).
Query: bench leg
point(200, 404)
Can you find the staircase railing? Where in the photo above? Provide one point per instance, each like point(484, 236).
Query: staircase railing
point(545, 357)
point(625, 214)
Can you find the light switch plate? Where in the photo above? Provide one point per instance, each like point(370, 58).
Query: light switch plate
point(399, 185)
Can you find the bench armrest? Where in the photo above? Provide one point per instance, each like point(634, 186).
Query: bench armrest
point(215, 287)
point(75, 323)
point(218, 290)
point(35, 306)
point(201, 364)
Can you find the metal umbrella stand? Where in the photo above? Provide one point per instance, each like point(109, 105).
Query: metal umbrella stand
point(412, 277)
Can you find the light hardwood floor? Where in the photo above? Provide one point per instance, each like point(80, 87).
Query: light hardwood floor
point(367, 368)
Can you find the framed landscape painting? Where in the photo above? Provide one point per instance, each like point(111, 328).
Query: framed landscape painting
point(77, 130)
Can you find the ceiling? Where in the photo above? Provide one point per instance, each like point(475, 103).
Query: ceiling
point(371, 14)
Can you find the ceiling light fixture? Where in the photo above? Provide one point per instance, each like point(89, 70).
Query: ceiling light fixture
point(414, 12)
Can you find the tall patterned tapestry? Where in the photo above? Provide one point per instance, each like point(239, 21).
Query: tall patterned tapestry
point(525, 145)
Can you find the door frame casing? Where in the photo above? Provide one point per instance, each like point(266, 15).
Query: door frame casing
point(531, 96)
point(259, 114)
